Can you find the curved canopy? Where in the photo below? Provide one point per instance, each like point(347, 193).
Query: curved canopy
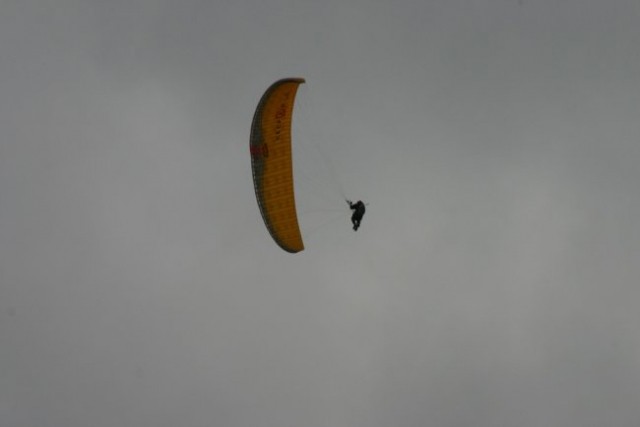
point(272, 163)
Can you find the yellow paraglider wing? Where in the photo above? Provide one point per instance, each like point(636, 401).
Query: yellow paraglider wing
point(272, 163)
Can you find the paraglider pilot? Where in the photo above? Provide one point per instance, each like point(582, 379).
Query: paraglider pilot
point(358, 212)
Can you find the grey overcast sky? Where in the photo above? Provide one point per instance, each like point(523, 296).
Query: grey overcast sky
point(494, 280)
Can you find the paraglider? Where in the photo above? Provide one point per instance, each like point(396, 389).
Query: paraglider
point(272, 164)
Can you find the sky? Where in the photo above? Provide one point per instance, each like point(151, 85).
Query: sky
point(494, 279)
